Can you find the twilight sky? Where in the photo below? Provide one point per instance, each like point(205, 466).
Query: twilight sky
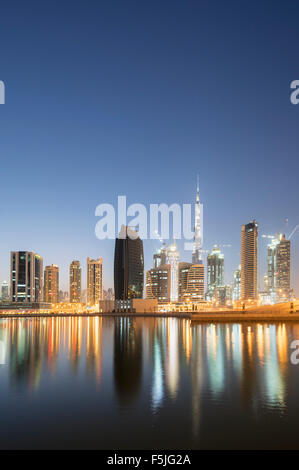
point(108, 98)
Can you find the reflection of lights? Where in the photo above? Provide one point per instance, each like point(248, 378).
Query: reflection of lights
point(157, 389)
point(173, 357)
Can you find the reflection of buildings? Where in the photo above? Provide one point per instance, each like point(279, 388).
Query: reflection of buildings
point(26, 276)
point(34, 344)
point(127, 359)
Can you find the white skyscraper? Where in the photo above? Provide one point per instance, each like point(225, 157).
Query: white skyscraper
point(198, 230)
point(172, 258)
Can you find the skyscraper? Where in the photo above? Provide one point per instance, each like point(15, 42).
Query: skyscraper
point(279, 253)
point(4, 291)
point(191, 282)
point(160, 257)
point(172, 258)
point(94, 280)
point(158, 283)
point(75, 281)
point(198, 230)
point(249, 280)
point(26, 276)
point(128, 265)
point(51, 284)
point(215, 271)
point(237, 284)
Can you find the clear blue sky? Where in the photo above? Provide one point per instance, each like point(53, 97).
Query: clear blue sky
point(137, 97)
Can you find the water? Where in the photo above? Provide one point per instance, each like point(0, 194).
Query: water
point(147, 383)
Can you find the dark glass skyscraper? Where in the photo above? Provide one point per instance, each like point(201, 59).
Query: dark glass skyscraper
point(128, 265)
point(26, 276)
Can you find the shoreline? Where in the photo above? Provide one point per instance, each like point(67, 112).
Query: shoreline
point(196, 317)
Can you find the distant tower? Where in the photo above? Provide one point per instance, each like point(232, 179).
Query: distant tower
point(128, 265)
point(172, 258)
point(26, 276)
point(94, 280)
point(75, 281)
point(51, 284)
point(249, 282)
point(215, 271)
point(279, 268)
point(4, 291)
point(197, 243)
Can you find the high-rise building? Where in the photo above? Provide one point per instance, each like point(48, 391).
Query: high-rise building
point(51, 284)
point(160, 257)
point(4, 291)
point(279, 253)
point(198, 230)
point(128, 265)
point(191, 282)
point(215, 271)
point(75, 281)
point(183, 270)
point(237, 284)
point(249, 280)
point(172, 258)
point(63, 296)
point(223, 296)
point(94, 280)
point(26, 276)
point(158, 282)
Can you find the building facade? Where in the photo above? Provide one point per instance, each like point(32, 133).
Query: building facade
point(279, 264)
point(4, 291)
point(26, 276)
point(237, 284)
point(75, 281)
point(94, 280)
point(215, 262)
point(172, 258)
point(51, 284)
point(249, 254)
point(158, 283)
point(191, 282)
point(128, 265)
point(198, 230)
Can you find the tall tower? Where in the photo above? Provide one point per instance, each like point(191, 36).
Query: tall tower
point(215, 271)
point(249, 281)
point(94, 280)
point(279, 268)
point(128, 265)
point(26, 276)
point(172, 258)
point(198, 230)
point(51, 284)
point(75, 281)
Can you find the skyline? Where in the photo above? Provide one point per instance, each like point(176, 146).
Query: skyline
point(138, 102)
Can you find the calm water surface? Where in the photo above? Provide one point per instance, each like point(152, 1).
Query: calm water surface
point(147, 383)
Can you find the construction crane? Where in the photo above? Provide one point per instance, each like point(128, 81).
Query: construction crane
point(293, 231)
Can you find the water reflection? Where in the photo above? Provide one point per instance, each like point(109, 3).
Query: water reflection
point(156, 362)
